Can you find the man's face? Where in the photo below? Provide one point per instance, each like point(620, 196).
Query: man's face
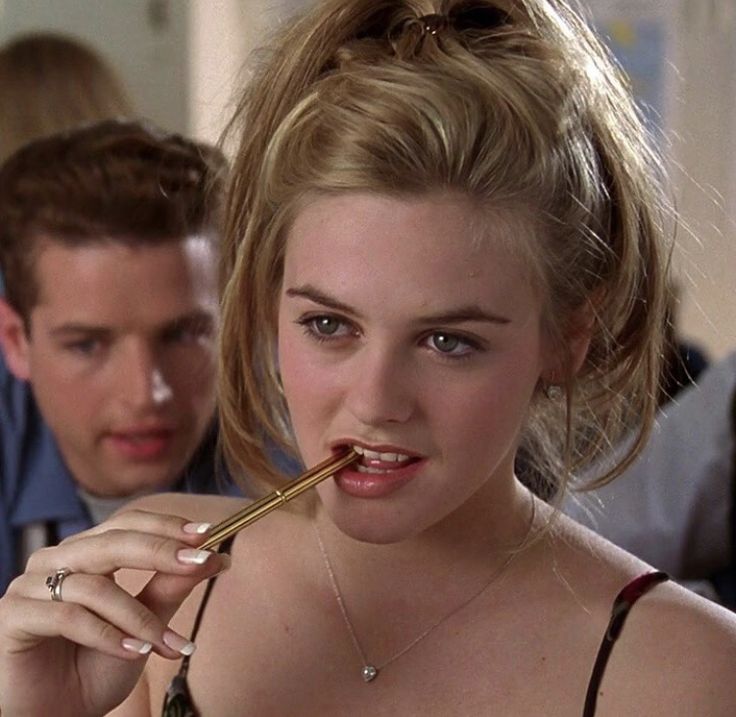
point(121, 358)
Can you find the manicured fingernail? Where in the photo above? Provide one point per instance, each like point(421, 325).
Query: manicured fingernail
point(192, 556)
point(196, 528)
point(178, 643)
point(133, 645)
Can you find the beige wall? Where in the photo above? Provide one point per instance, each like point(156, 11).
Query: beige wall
point(704, 159)
point(222, 34)
point(699, 124)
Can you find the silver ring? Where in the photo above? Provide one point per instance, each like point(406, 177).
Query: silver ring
point(54, 581)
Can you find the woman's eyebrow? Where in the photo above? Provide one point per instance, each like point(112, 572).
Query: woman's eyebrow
point(319, 297)
point(462, 314)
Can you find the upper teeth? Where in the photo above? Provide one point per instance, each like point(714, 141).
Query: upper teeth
point(376, 456)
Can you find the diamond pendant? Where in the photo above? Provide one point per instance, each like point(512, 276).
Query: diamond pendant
point(369, 673)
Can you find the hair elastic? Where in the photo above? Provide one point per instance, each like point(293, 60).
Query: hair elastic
point(433, 23)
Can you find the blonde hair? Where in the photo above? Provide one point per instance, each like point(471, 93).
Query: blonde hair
point(50, 83)
point(512, 103)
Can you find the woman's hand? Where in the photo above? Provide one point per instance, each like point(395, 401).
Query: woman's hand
point(83, 655)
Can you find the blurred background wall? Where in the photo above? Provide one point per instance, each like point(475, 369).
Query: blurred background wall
point(183, 61)
point(681, 58)
point(146, 41)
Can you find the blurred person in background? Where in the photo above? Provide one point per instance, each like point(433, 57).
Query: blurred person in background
point(49, 83)
point(684, 359)
point(675, 506)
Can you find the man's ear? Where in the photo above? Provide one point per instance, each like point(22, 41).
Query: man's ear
point(14, 341)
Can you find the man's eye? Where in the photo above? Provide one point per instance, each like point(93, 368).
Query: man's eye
point(84, 347)
point(180, 335)
point(188, 332)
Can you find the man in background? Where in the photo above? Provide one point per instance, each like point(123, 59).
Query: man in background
point(109, 250)
point(675, 506)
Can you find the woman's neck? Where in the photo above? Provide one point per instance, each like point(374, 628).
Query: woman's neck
point(480, 534)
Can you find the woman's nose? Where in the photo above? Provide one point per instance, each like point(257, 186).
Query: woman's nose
point(381, 389)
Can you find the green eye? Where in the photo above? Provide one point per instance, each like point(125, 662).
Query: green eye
point(445, 343)
point(326, 325)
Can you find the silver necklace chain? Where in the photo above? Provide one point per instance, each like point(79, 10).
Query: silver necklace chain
point(370, 671)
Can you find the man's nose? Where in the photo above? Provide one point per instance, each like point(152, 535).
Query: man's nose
point(145, 384)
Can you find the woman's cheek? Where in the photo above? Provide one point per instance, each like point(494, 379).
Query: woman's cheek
point(306, 386)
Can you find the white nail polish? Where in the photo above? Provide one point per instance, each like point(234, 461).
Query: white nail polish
point(196, 528)
point(139, 646)
point(178, 643)
point(192, 556)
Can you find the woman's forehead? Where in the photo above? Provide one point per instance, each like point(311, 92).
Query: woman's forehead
point(445, 225)
point(429, 253)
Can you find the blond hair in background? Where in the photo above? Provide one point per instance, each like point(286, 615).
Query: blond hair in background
point(50, 83)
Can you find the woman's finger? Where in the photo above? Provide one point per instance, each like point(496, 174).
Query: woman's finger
point(104, 553)
point(141, 628)
point(44, 619)
point(143, 521)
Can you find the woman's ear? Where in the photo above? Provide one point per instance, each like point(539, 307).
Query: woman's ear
point(568, 356)
point(14, 341)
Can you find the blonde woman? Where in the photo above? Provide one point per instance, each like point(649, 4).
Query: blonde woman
point(446, 239)
point(50, 83)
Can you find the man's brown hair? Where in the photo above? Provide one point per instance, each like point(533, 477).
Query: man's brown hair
point(121, 182)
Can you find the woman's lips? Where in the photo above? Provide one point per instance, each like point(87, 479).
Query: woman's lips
point(377, 476)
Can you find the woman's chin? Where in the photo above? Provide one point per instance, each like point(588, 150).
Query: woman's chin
point(367, 522)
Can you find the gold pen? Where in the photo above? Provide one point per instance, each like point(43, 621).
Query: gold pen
point(255, 511)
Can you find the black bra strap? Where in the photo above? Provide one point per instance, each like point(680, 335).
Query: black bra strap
point(225, 547)
point(732, 512)
point(621, 607)
point(178, 701)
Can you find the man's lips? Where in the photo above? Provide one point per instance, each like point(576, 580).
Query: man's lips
point(141, 443)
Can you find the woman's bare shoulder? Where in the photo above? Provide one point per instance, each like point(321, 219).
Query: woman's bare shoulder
point(676, 653)
point(676, 656)
point(587, 563)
